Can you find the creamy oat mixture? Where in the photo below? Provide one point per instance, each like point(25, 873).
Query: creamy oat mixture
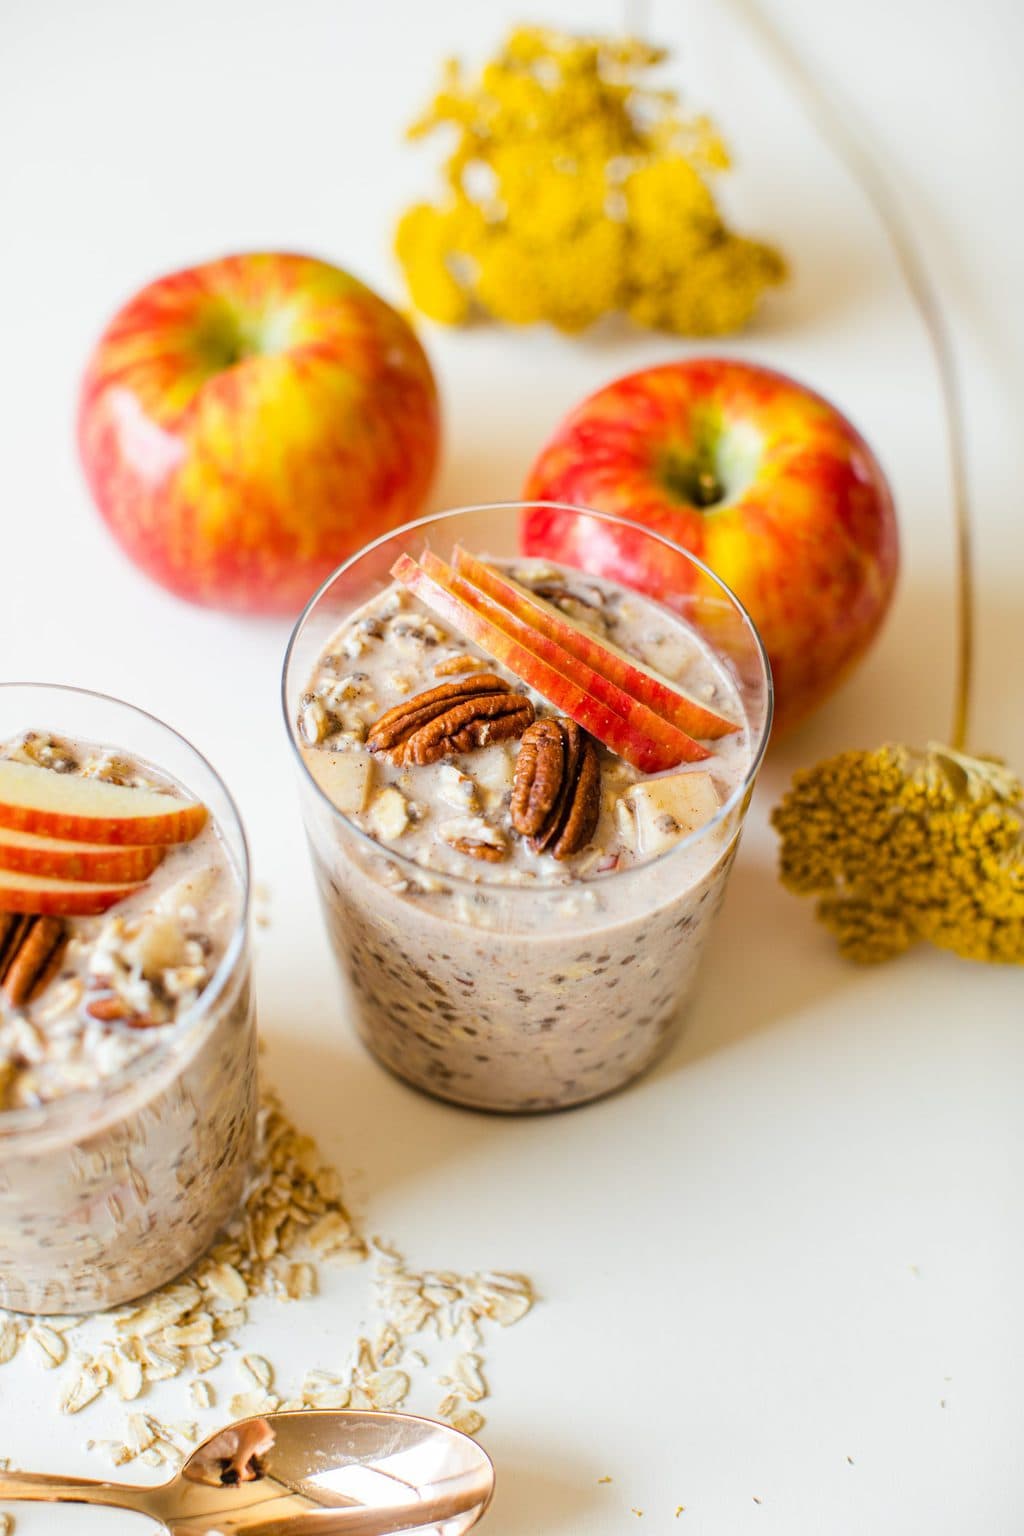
point(127, 1082)
point(394, 649)
point(122, 979)
point(483, 970)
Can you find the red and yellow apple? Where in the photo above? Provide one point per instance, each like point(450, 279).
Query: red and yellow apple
point(758, 476)
point(246, 424)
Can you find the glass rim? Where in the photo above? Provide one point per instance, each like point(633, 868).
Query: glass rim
point(531, 892)
point(37, 1118)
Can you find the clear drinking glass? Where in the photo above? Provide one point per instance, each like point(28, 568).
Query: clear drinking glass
point(108, 1192)
point(516, 998)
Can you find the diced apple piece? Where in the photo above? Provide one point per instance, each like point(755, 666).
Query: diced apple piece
point(564, 689)
point(457, 789)
point(65, 805)
point(157, 944)
point(657, 813)
point(642, 682)
point(389, 814)
point(58, 898)
point(60, 859)
point(183, 899)
point(346, 778)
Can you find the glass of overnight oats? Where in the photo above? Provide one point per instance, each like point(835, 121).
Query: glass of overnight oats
point(127, 1029)
point(523, 787)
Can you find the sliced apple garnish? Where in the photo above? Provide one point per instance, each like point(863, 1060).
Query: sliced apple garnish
point(562, 684)
point(656, 814)
point(633, 710)
point(64, 805)
point(641, 682)
point(59, 859)
point(58, 898)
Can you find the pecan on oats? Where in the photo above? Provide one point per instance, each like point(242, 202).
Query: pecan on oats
point(474, 848)
point(112, 1009)
point(455, 717)
point(556, 792)
point(461, 663)
point(30, 951)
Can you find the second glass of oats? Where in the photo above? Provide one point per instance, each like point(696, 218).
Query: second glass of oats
point(127, 1034)
point(518, 905)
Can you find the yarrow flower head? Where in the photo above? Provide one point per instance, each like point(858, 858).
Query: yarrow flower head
point(574, 190)
point(902, 845)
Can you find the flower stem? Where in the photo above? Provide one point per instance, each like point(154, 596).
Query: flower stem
point(851, 144)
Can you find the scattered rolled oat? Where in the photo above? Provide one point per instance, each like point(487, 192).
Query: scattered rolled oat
point(468, 1422)
point(51, 1346)
point(294, 1220)
point(10, 1338)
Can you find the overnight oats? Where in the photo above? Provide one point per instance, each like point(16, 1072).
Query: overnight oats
point(523, 788)
point(127, 1033)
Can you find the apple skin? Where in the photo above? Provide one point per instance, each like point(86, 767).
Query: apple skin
point(246, 424)
point(80, 810)
point(664, 698)
point(41, 897)
point(30, 854)
point(564, 665)
point(805, 535)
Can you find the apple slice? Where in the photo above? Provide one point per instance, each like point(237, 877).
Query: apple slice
point(654, 815)
point(64, 805)
point(640, 681)
point(630, 709)
point(60, 859)
point(621, 736)
point(43, 896)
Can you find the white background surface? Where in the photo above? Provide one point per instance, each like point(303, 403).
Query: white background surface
point(800, 1241)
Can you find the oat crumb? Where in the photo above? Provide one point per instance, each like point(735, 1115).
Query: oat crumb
point(604, 1479)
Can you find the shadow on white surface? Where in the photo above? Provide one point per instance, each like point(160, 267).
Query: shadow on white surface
point(542, 1487)
point(767, 963)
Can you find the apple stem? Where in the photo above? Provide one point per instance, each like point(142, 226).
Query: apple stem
point(693, 481)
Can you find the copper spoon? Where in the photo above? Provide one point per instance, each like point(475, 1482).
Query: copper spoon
point(303, 1474)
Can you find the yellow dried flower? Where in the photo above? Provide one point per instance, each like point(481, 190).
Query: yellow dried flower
point(575, 190)
point(902, 845)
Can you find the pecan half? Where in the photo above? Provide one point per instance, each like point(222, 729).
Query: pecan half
point(474, 848)
point(30, 951)
point(556, 792)
point(461, 663)
point(456, 717)
point(112, 1009)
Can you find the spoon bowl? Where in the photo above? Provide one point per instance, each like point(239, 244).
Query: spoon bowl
point(307, 1473)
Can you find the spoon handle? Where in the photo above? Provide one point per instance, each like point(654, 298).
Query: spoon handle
point(52, 1489)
